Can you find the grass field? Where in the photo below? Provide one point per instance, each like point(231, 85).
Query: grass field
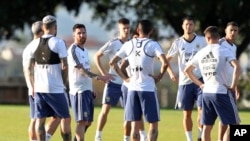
point(14, 120)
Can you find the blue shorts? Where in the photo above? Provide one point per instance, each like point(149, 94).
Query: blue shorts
point(222, 105)
point(124, 89)
point(32, 107)
point(142, 102)
point(83, 106)
point(112, 94)
point(187, 96)
point(47, 104)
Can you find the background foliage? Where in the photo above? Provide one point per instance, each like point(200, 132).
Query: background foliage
point(16, 13)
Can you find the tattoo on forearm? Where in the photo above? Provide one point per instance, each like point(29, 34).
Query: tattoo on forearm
point(89, 73)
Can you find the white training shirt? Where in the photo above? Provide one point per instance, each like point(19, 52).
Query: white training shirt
point(77, 81)
point(211, 61)
point(231, 47)
point(140, 53)
point(185, 51)
point(26, 62)
point(109, 49)
point(48, 78)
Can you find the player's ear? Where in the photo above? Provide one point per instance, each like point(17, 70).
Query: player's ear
point(152, 30)
point(138, 30)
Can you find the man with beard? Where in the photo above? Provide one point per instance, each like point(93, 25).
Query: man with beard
point(231, 32)
point(186, 47)
point(49, 55)
point(80, 82)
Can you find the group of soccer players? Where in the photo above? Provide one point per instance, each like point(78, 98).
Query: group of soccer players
point(48, 64)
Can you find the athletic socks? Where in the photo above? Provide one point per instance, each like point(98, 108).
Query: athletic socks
point(199, 133)
point(143, 136)
point(47, 137)
point(126, 138)
point(189, 135)
point(98, 135)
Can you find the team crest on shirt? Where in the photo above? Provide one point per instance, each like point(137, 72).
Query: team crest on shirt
point(107, 99)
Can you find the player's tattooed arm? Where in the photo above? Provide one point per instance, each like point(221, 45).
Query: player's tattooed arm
point(30, 74)
point(64, 64)
point(87, 72)
point(90, 74)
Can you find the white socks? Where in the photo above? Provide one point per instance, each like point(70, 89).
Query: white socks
point(126, 138)
point(47, 137)
point(189, 135)
point(143, 135)
point(98, 134)
point(199, 133)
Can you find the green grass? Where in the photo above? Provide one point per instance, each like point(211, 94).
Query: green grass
point(14, 121)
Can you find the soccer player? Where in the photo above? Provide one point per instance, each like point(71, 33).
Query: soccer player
point(54, 121)
point(127, 124)
point(125, 68)
point(217, 97)
point(50, 72)
point(141, 97)
point(112, 90)
point(80, 82)
point(186, 47)
point(231, 32)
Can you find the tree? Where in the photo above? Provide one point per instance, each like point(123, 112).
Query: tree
point(16, 13)
point(171, 12)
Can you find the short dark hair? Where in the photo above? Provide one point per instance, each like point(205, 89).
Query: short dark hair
point(232, 23)
point(123, 21)
point(78, 26)
point(145, 26)
point(188, 18)
point(213, 31)
point(135, 33)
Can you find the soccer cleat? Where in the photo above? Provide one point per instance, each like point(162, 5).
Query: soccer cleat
point(199, 139)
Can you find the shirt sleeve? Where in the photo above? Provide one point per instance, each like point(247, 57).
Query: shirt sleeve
point(173, 51)
point(62, 49)
point(106, 48)
point(229, 55)
point(75, 56)
point(158, 49)
point(25, 58)
point(195, 60)
point(124, 51)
